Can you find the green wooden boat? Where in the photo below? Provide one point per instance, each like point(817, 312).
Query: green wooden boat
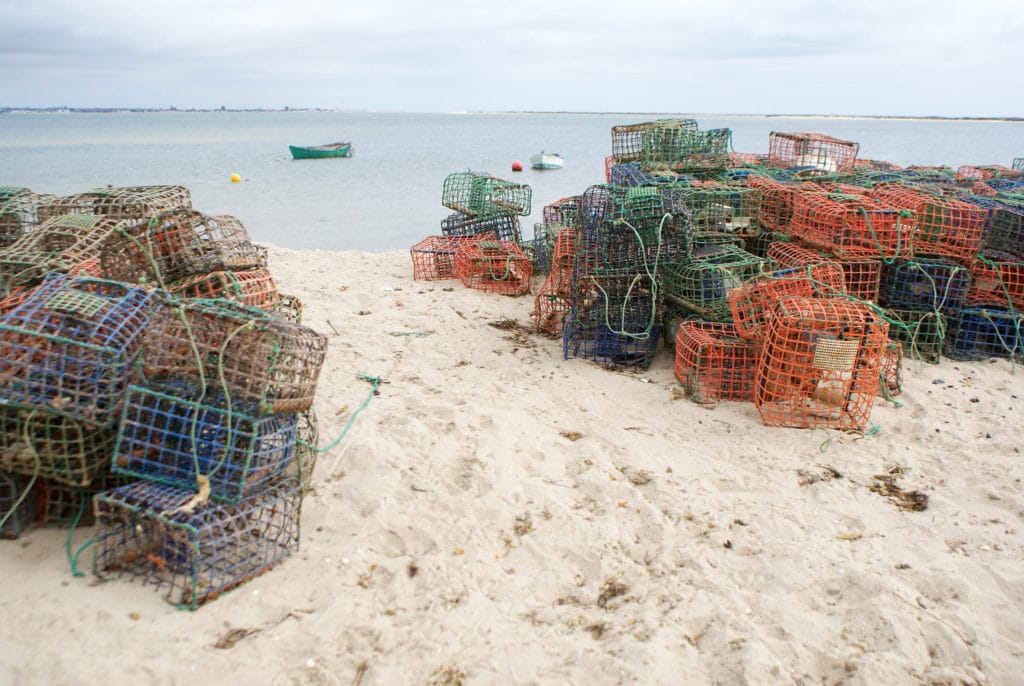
point(316, 152)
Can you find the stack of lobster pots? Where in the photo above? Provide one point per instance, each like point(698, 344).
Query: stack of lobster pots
point(480, 241)
point(152, 367)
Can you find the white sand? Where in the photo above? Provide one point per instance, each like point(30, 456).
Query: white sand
point(457, 531)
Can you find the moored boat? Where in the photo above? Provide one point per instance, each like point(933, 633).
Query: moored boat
point(314, 152)
point(546, 160)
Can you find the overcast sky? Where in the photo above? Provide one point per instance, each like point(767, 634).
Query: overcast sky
point(927, 57)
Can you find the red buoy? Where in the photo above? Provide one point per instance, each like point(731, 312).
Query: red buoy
point(517, 166)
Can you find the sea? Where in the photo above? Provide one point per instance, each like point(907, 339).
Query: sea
point(387, 196)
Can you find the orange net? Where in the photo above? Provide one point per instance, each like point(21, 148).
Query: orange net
point(827, 274)
point(494, 267)
point(945, 227)
point(820, 364)
point(862, 276)
point(997, 278)
point(776, 213)
point(433, 258)
point(891, 374)
point(254, 287)
point(714, 363)
point(752, 303)
point(853, 225)
point(551, 305)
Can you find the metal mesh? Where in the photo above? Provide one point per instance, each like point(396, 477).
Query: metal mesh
point(254, 287)
point(686, 150)
point(194, 556)
point(494, 267)
point(600, 344)
point(820, 364)
point(997, 279)
point(434, 257)
point(175, 245)
point(133, 203)
point(944, 227)
point(61, 505)
point(924, 284)
point(853, 225)
point(253, 354)
point(35, 442)
point(703, 283)
point(481, 195)
point(977, 333)
point(70, 347)
point(506, 227)
point(814, 150)
point(714, 363)
point(628, 139)
point(921, 334)
point(19, 212)
point(307, 438)
point(59, 244)
point(17, 509)
point(172, 433)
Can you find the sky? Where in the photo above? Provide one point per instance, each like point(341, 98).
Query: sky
point(856, 57)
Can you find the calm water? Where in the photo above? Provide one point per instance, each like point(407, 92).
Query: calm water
point(388, 195)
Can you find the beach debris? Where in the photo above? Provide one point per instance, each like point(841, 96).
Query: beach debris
point(611, 588)
point(909, 501)
point(826, 473)
point(571, 435)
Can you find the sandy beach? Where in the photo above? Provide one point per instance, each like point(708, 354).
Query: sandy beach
point(501, 515)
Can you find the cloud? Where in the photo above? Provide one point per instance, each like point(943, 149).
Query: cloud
point(727, 55)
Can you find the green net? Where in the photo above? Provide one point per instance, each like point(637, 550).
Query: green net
point(703, 283)
point(481, 195)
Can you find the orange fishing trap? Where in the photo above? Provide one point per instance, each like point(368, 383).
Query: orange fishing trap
point(494, 267)
point(820, 364)
point(714, 363)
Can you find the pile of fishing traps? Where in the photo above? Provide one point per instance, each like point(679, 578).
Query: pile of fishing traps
point(796, 280)
point(154, 383)
point(480, 242)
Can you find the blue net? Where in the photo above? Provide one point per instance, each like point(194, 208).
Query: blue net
point(978, 333)
point(194, 552)
point(172, 434)
point(924, 284)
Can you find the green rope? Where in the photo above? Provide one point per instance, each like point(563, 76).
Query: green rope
point(35, 475)
point(651, 275)
point(375, 381)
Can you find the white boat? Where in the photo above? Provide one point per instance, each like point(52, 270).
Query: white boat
point(546, 160)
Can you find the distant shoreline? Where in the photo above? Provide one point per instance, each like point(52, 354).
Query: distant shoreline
point(884, 117)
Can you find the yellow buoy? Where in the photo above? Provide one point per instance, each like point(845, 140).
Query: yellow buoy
point(235, 178)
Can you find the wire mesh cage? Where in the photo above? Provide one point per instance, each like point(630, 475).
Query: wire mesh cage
point(1003, 226)
point(19, 212)
point(820, 364)
point(132, 203)
point(59, 244)
point(622, 227)
point(288, 307)
point(703, 283)
point(827, 274)
point(60, 505)
point(924, 284)
point(433, 257)
point(551, 304)
point(245, 352)
point(862, 276)
point(173, 433)
point(997, 279)
point(612, 348)
point(174, 245)
point(672, 317)
point(715, 208)
point(944, 226)
point(890, 381)
point(253, 287)
point(70, 347)
point(775, 211)
point(564, 212)
point(714, 363)
point(1018, 163)
point(480, 195)
point(17, 505)
point(628, 139)
point(307, 440)
point(54, 447)
point(920, 333)
point(686, 150)
point(814, 150)
point(193, 554)
point(494, 267)
point(853, 225)
point(977, 333)
point(506, 227)
point(752, 304)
